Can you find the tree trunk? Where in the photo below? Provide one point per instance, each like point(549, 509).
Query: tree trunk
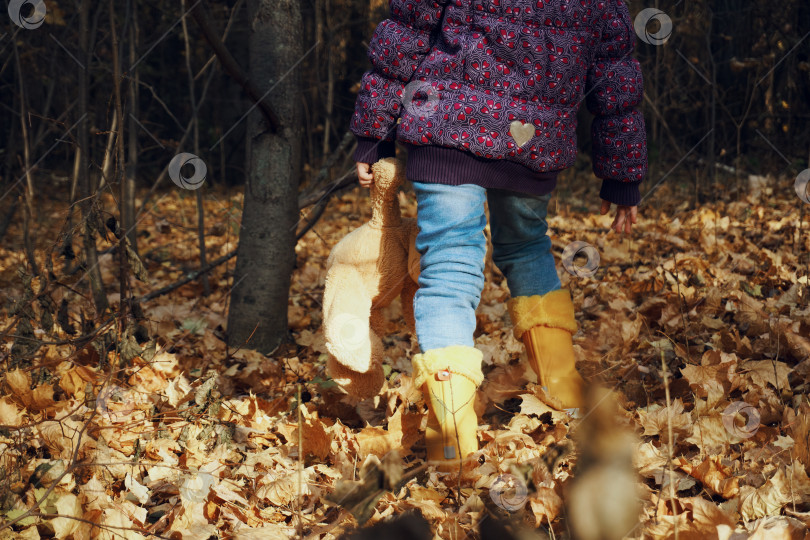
point(192, 95)
point(28, 191)
point(85, 188)
point(120, 175)
point(8, 178)
point(258, 311)
point(131, 171)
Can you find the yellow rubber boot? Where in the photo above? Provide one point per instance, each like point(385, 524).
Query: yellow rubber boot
point(449, 378)
point(546, 325)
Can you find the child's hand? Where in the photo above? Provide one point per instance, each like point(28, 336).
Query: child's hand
point(364, 174)
point(625, 216)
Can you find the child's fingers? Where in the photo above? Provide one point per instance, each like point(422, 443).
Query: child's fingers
point(618, 221)
point(631, 213)
point(627, 222)
point(626, 216)
point(364, 174)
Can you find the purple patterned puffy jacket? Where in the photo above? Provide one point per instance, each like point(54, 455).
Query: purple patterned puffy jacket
point(487, 92)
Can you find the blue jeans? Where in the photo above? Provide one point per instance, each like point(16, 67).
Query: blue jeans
point(452, 246)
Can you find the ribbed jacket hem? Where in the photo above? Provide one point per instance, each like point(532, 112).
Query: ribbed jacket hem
point(371, 150)
point(622, 193)
point(443, 165)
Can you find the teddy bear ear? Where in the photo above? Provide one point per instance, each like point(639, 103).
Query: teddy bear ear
point(385, 170)
point(389, 172)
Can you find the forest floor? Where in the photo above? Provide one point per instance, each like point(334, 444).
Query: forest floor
point(181, 437)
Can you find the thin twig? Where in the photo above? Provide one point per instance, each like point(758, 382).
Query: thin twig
point(669, 444)
point(191, 276)
point(300, 465)
point(680, 303)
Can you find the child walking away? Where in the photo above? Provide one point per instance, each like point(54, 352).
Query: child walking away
point(484, 95)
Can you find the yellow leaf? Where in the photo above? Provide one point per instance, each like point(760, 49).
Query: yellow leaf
point(532, 405)
point(790, 485)
point(267, 530)
point(42, 397)
point(710, 434)
point(61, 436)
point(373, 440)
point(281, 487)
point(699, 519)
point(148, 379)
point(655, 421)
point(315, 438)
point(545, 505)
point(402, 432)
point(67, 505)
point(800, 430)
point(19, 382)
point(779, 528)
point(73, 381)
point(430, 509)
point(10, 414)
point(764, 372)
point(118, 526)
point(714, 476)
point(139, 491)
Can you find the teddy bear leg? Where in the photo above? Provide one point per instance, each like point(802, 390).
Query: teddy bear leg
point(408, 292)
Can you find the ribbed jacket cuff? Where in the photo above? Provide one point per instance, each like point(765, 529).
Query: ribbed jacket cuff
point(371, 150)
point(622, 193)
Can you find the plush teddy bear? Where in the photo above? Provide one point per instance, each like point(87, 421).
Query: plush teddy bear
point(365, 272)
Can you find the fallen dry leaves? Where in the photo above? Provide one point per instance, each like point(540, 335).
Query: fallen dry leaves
point(189, 439)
